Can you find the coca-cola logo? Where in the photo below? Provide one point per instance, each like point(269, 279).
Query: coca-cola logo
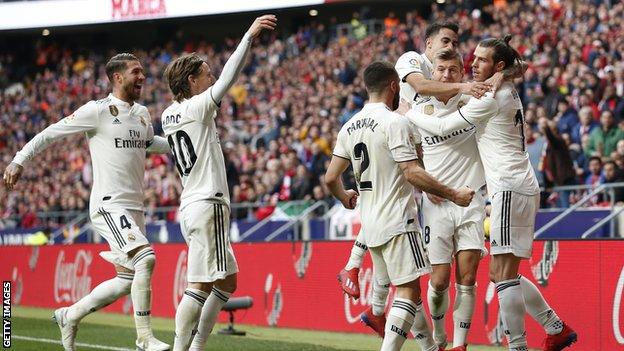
point(273, 301)
point(617, 312)
point(179, 279)
point(71, 279)
point(353, 308)
point(302, 262)
point(544, 268)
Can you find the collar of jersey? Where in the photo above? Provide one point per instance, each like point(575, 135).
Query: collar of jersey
point(375, 105)
point(452, 101)
point(119, 101)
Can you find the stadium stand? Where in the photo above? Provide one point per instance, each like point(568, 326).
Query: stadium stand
point(279, 121)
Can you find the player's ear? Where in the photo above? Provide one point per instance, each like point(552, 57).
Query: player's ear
point(499, 66)
point(428, 43)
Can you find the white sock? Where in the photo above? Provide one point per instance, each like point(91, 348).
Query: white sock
point(438, 305)
point(538, 308)
point(512, 310)
point(141, 291)
point(357, 255)
point(209, 313)
point(101, 296)
point(187, 317)
point(421, 330)
point(398, 324)
point(380, 295)
point(462, 313)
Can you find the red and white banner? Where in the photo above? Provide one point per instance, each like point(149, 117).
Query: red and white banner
point(294, 285)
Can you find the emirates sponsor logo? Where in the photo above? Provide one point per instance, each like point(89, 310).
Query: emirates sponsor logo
point(71, 279)
point(353, 308)
point(179, 279)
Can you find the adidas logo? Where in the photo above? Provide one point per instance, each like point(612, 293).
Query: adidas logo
point(116, 121)
point(494, 243)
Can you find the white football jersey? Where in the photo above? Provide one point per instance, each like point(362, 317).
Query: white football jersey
point(118, 134)
point(500, 138)
point(453, 158)
point(412, 62)
point(193, 137)
point(375, 140)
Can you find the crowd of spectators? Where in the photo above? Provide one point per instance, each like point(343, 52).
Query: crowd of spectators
point(278, 123)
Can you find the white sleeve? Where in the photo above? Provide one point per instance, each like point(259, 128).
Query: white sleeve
point(85, 119)
point(477, 111)
point(204, 106)
point(341, 149)
point(409, 62)
point(158, 145)
point(401, 141)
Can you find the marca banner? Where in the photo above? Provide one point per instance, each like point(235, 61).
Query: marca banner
point(294, 285)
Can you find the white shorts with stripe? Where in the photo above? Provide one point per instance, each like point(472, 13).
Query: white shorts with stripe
point(401, 260)
point(206, 228)
point(449, 228)
point(513, 223)
point(124, 230)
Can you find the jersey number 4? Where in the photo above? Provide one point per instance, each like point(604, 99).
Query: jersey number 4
point(360, 152)
point(183, 152)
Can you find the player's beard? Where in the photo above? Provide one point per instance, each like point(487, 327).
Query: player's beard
point(395, 101)
point(130, 91)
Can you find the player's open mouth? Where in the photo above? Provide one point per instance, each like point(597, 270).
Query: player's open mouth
point(137, 87)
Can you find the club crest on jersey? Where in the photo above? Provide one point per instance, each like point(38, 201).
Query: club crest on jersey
point(131, 237)
point(113, 110)
point(428, 109)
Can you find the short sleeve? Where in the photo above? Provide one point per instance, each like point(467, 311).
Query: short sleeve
point(203, 107)
point(341, 150)
point(402, 140)
point(409, 62)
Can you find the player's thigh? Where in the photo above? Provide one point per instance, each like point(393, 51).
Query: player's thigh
point(438, 229)
point(513, 223)
point(124, 230)
point(210, 255)
point(406, 258)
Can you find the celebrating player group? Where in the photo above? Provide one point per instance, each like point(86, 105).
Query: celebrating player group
point(424, 127)
point(469, 138)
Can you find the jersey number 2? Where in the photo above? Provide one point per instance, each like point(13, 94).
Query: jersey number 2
point(519, 121)
point(183, 152)
point(361, 153)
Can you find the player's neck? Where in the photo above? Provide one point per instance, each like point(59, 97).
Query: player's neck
point(444, 98)
point(122, 96)
point(379, 98)
point(429, 55)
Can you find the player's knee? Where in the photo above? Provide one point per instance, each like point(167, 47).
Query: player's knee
point(439, 283)
point(229, 284)
point(468, 279)
point(144, 259)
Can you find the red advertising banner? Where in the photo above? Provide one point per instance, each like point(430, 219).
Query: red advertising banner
point(294, 285)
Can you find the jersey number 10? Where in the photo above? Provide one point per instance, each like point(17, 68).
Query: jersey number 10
point(183, 152)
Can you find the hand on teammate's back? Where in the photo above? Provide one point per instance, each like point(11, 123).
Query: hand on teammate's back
point(267, 22)
point(403, 108)
point(476, 89)
point(463, 196)
point(12, 175)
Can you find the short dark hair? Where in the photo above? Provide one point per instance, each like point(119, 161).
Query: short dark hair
point(435, 28)
point(502, 50)
point(448, 55)
point(118, 63)
point(378, 75)
point(595, 158)
point(611, 163)
point(178, 71)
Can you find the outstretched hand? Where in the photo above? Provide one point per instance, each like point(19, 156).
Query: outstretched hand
point(264, 22)
point(12, 175)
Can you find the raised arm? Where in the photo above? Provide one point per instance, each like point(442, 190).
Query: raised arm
point(236, 62)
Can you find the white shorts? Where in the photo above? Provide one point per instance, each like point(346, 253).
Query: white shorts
point(513, 223)
point(449, 228)
point(124, 230)
point(400, 260)
point(206, 228)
